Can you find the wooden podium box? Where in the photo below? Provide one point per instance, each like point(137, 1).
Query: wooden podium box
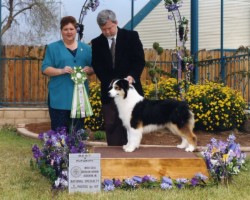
point(155, 161)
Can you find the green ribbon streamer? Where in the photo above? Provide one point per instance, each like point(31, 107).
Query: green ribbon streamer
point(80, 95)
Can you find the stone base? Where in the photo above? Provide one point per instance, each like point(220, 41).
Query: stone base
point(15, 116)
point(155, 161)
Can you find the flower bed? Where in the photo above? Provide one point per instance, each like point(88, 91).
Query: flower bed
point(150, 182)
point(223, 159)
point(53, 159)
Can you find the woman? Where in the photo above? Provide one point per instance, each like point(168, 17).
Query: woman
point(60, 58)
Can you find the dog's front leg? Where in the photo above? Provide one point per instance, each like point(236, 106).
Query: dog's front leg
point(134, 140)
point(127, 145)
point(184, 143)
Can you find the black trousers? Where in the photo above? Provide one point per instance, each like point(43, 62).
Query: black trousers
point(61, 118)
point(116, 134)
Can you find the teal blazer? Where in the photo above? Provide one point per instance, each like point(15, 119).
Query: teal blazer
point(61, 87)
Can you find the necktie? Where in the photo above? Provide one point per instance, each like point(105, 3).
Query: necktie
point(112, 49)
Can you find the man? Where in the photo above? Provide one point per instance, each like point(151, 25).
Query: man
point(125, 61)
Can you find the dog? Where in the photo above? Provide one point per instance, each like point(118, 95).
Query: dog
point(140, 115)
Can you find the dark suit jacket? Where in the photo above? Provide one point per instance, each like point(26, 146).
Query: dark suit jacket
point(129, 60)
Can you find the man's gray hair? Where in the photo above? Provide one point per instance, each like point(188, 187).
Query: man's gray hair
point(105, 15)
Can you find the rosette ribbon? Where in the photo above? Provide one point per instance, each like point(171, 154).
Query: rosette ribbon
point(80, 104)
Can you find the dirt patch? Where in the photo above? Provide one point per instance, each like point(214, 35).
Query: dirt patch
point(165, 137)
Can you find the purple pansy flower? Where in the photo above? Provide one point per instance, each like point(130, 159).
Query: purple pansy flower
point(57, 146)
point(137, 179)
point(148, 178)
point(130, 182)
point(172, 7)
point(181, 182)
point(108, 188)
point(223, 159)
point(165, 186)
point(108, 182)
point(167, 180)
point(194, 181)
point(117, 183)
point(166, 183)
point(36, 152)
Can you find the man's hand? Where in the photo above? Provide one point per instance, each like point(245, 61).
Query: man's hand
point(130, 79)
point(88, 70)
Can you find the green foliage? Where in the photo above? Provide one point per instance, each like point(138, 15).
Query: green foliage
point(8, 127)
point(184, 21)
point(154, 70)
point(150, 184)
point(95, 122)
point(157, 48)
point(167, 2)
point(156, 45)
point(100, 135)
point(47, 171)
point(85, 135)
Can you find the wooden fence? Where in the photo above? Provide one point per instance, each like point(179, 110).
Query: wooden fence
point(22, 83)
point(22, 80)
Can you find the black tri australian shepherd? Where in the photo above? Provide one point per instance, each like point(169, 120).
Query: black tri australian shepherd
point(140, 115)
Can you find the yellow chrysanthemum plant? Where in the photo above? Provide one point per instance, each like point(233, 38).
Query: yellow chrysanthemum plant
point(216, 107)
point(168, 88)
point(95, 122)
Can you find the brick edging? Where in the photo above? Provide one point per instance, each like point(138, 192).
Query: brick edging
point(23, 131)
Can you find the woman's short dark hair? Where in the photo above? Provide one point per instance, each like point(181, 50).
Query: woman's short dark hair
point(68, 20)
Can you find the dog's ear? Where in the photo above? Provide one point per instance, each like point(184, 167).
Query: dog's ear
point(124, 83)
point(111, 83)
point(125, 86)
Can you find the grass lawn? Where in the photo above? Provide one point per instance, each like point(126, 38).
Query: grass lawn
point(19, 181)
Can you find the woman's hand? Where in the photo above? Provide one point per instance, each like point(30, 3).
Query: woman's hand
point(67, 70)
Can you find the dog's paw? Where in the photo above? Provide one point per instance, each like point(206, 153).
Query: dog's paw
point(125, 146)
point(129, 149)
point(190, 148)
point(181, 146)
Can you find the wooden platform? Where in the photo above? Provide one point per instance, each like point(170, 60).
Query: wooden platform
point(156, 161)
